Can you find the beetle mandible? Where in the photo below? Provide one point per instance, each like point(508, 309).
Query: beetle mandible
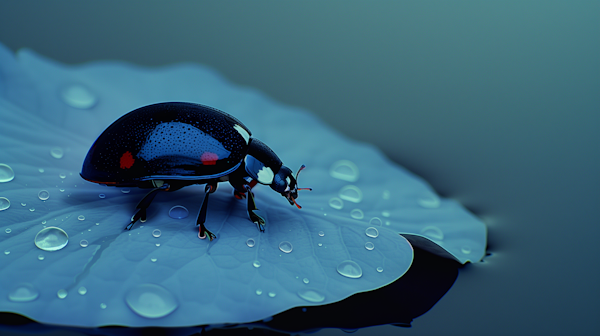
point(168, 146)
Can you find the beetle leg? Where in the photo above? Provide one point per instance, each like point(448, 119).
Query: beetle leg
point(143, 205)
point(256, 219)
point(203, 231)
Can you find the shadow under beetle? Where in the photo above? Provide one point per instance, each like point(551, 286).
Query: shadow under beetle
point(168, 146)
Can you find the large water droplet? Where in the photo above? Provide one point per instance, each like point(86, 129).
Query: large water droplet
point(285, 246)
point(78, 96)
point(4, 203)
point(61, 293)
point(8, 230)
point(349, 269)
point(433, 232)
point(51, 239)
point(43, 195)
point(6, 173)
point(357, 214)
point(311, 295)
point(82, 290)
point(156, 233)
point(250, 242)
point(372, 232)
point(256, 263)
point(336, 203)
point(178, 212)
point(151, 301)
point(83, 243)
point(351, 193)
point(57, 152)
point(344, 170)
point(24, 292)
point(369, 246)
point(429, 201)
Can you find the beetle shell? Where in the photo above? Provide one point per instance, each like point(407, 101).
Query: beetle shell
point(181, 141)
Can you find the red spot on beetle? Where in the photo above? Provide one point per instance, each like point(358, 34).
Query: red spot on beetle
point(127, 160)
point(209, 158)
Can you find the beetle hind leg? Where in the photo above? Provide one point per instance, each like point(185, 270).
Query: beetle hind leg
point(203, 232)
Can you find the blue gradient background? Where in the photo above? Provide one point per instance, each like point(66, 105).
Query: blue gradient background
point(497, 105)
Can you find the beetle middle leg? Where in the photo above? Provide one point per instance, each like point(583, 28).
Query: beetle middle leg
point(210, 188)
point(140, 214)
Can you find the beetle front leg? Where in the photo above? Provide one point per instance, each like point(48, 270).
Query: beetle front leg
point(203, 231)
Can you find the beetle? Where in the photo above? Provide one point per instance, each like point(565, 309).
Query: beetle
point(168, 146)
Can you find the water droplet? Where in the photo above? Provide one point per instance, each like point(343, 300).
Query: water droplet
point(8, 230)
point(103, 306)
point(311, 295)
point(156, 233)
point(320, 244)
point(97, 223)
point(6, 173)
point(321, 233)
point(336, 203)
point(258, 291)
point(101, 195)
point(385, 213)
point(349, 269)
point(43, 222)
point(375, 221)
point(32, 209)
point(305, 280)
point(272, 294)
point(429, 201)
point(62, 190)
point(285, 246)
point(433, 232)
point(178, 212)
point(43, 195)
point(250, 242)
point(256, 263)
point(125, 190)
point(369, 246)
point(57, 152)
point(83, 243)
point(78, 96)
point(357, 214)
point(23, 204)
point(372, 232)
point(81, 217)
point(153, 259)
point(61, 293)
point(41, 170)
point(386, 194)
point(62, 175)
point(7, 252)
point(151, 301)
point(24, 292)
point(51, 239)
point(379, 269)
point(41, 257)
point(4, 203)
point(344, 170)
point(351, 193)
point(82, 290)
point(466, 249)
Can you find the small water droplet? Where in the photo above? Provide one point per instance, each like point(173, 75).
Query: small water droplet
point(62, 175)
point(386, 194)
point(375, 221)
point(82, 290)
point(369, 246)
point(103, 306)
point(349, 269)
point(466, 249)
point(379, 269)
point(156, 233)
point(78, 96)
point(61, 294)
point(153, 259)
point(41, 257)
point(6, 173)
point(305, 280)
point(250, 242)
point(178, 212)
point(101, 195)
point(151, 301)
point(336, 203)
point(321, 233)
point(357, 214)
point(351, 193)
point(41, 170)
point(272, 294)
point(388, 223)
point(8, 230)
point(7, 252)
point(51, 239)
point(57, 152)
point(429, 201)
point(285, 246)
point(24, 292)
point(43, 195)
point(433, 232)
point(43, 222)
point(83, 243)
point(4, 203)
point(125, 190)
point(258, 291)
point(311, 295)
point(97, 223)
point(344, 170)
point(256, 263)
point(23, 204)
point(372, 232)
point(61, 190)
point(157, 244)
point(320, 244)
point(81, 217)
point(385, 213)
point(32, 209)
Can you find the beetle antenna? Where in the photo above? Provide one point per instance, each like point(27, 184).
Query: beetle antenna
point(299, 170)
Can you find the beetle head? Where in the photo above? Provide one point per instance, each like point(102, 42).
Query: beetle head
point(286, 184)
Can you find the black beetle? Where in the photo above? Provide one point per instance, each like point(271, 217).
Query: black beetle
point(168, 146)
